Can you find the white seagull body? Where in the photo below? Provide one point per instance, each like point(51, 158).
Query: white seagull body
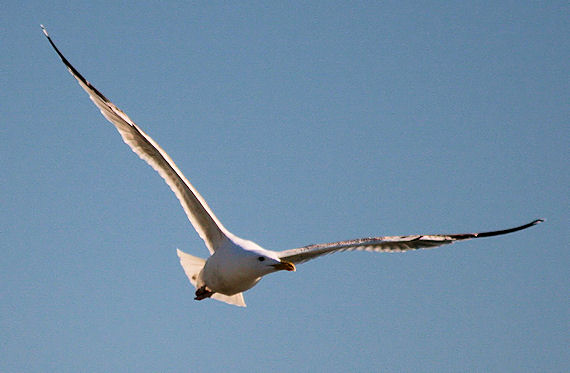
point(236, 265)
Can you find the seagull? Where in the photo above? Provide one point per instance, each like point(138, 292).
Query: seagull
point(235, 264)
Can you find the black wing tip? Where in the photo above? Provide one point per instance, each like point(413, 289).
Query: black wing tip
point(72, 69)
point(44, 30)
point(510, 230)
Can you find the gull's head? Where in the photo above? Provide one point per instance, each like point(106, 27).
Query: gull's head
point(269, 263)
point(262, 261)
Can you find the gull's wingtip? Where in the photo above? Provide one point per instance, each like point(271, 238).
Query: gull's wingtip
point(538, 221)
point(44, 30)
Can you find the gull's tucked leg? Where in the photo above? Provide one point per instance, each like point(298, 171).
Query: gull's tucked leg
point(203, 293)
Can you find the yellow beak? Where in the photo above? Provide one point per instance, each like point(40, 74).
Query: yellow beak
point(284, 265)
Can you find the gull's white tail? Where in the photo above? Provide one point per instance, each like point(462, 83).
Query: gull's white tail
point(193, 265)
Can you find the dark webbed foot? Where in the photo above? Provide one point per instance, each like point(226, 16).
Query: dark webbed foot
point(203, 293)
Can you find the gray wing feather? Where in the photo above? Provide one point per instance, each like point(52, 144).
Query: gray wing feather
point(202, 218)
point(389, 243)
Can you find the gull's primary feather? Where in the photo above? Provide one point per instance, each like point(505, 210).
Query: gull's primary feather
point(202, 218)
point(389, 244)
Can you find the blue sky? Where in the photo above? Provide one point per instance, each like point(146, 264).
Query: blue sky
point(300, 123)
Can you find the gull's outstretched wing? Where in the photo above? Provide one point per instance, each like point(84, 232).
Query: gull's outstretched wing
point(202, 218)
point(389, 243)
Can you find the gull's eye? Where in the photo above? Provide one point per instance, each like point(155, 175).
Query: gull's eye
point(261, 258)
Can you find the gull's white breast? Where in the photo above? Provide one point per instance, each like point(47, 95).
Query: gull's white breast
point(229, 272)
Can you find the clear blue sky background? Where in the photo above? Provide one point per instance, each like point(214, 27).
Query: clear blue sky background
point(299, 122)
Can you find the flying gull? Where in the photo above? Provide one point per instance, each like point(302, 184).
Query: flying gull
point(235, 264)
